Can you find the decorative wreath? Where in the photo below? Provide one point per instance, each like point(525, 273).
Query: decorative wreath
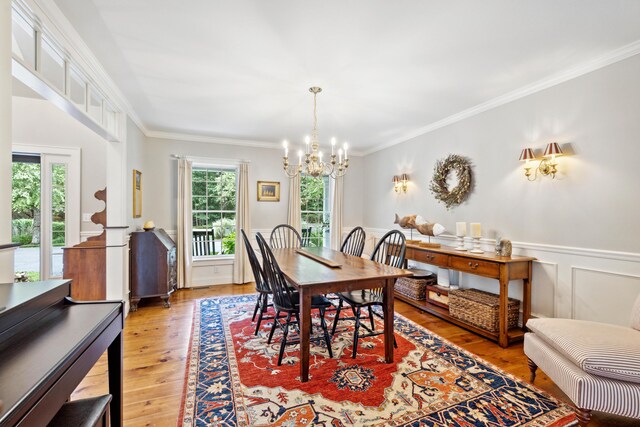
point(462, 166)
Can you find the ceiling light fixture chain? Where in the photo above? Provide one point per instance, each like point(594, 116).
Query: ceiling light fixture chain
point(313, 164)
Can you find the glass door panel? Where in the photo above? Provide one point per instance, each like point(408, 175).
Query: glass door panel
point(26, 214)
point(54, 213)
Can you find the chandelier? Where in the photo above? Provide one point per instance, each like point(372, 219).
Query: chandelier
point(313, 164)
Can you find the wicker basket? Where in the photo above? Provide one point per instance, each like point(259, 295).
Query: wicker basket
point(481, 308)
point(414, 288)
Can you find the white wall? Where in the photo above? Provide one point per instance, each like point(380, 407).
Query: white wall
point(135, 160)
point(583, 226)
point(39, 122)
point(160, 191)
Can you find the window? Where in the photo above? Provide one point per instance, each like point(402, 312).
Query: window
point(214, 211)
point(314, 204)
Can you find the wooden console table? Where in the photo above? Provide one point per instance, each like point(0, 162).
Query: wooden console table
point(489, 265)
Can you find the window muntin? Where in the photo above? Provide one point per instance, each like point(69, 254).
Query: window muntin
point(315, 211)
point(214, 211)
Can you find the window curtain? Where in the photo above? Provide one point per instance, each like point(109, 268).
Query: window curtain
point(241, 268)
point(337, 213)
point(294, 217)
point(185, 219)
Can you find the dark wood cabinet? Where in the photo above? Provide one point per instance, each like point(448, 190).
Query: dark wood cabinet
point(152, 266)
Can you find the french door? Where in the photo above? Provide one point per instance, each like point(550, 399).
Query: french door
point(59, 212)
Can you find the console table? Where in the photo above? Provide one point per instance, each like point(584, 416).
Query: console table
point(489, 265)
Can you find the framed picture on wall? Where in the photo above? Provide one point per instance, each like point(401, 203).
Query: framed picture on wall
point(268, 191)
point(137, 193)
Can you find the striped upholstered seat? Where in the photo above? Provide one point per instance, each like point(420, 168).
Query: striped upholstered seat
point(597, 365)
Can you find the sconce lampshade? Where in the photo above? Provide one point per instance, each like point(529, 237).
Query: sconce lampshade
point(396, 179)
point(553, 149)
point(527, 154)
point(404, 177)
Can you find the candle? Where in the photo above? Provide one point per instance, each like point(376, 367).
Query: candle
point(346, 146)
point(340, 155)
point(476, 231)
point(299, 157)
point(461, 229)
point(285, 144)
point(306, 141)
point(333, 145)
point(320, 155)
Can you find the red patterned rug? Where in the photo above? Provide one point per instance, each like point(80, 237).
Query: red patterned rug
point(233, 380)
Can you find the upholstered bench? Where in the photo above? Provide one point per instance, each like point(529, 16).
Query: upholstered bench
point(596, 364)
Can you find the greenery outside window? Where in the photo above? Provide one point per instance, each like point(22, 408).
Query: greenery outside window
point(214, 211)
point(315, 210)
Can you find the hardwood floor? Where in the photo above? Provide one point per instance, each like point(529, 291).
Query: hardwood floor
point(155, 350)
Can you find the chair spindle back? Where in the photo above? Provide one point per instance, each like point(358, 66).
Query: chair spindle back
point(258, 274)
point(354, 243)
point(282, 295)
point(285, 236)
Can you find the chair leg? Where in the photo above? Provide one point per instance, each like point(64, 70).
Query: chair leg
point(355, 333)
point(283, 343)
point(370, 310)
point(273, 327)
point(327, 339)
point(263, 307)
point(335, 319)
point(532, 370)
point(255, 310)
point(583, 416)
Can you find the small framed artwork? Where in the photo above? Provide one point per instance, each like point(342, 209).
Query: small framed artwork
point(268, 191)
point(137, 193)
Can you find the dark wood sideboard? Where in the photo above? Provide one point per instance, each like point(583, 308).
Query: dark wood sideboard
point(503, 269)
point(153, 266)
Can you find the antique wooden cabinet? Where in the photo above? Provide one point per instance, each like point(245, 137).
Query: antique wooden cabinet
point(152, 266)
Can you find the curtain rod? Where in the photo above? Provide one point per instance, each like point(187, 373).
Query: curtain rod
point(208, 159)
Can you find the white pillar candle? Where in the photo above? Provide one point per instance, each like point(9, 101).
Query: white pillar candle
point(461, 229)
point(476, 231)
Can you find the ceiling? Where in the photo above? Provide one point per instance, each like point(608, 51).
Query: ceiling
point(242, 69)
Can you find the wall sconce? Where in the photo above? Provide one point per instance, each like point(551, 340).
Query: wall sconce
point(400, 183)
point(547, 165)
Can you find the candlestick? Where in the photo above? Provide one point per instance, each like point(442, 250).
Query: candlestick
point(476, 246)
point(476, 230)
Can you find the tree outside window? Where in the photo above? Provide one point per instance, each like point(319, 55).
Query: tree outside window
point(314, 206)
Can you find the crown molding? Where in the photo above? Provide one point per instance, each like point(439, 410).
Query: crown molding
point(597, 63)
point(211, 139)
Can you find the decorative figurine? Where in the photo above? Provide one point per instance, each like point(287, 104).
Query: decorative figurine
point(503, 247)
point(423, 226)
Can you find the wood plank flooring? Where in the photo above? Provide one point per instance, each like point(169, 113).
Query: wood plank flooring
point(155, 351)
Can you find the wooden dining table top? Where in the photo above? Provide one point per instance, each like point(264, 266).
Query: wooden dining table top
point(304, 271)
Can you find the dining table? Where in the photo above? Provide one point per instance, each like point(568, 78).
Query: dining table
point(320, 271)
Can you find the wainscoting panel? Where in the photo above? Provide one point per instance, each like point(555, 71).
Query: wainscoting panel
point(543, 293)
point(603, 296)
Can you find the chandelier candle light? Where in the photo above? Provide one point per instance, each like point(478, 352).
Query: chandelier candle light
point(476, 234)
point(313, 164)
point(461, 231)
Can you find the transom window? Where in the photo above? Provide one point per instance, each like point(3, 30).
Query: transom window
point(314, 206)
point(214, 211)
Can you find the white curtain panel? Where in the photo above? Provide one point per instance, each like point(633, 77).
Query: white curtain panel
point(337, 212)
point(184, 223)
point(294, 217)
point(241, 268)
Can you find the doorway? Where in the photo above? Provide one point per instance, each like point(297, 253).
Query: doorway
point(45, 209)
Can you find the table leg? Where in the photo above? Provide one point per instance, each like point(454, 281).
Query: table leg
point(503, 332)
point(387, 304)
point(114, 364)
point(526, 298)
point(305, 329)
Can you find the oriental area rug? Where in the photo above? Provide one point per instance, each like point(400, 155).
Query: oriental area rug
point(233, 379)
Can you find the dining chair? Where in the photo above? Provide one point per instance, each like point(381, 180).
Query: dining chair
point(390, 250)
point(306, 237)
point(285, 301)
point(354, 242)
point(262, 286)
point(285, 236)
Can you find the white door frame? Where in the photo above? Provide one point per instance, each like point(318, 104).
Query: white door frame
point(51, 155)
